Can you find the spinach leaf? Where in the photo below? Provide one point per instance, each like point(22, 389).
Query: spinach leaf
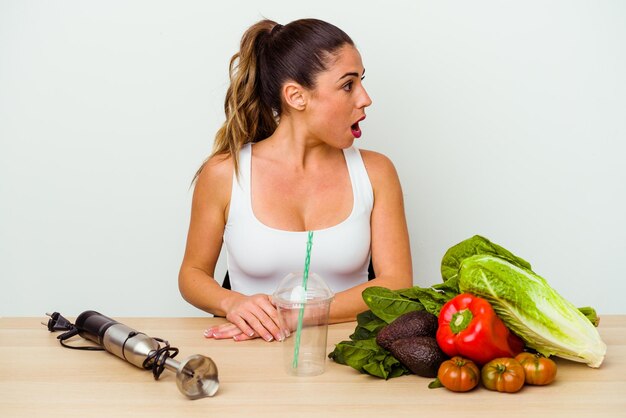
point(368, 357)
point(450, 287)
point(346, 352)
point(431, 299)
point(385, 366)
point(355, 354)
point(367, 327)
point(452, 259)
point(388, 304)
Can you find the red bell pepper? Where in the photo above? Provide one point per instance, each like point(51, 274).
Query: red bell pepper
point(469, 327)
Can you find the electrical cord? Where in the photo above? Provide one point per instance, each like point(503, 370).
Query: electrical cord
point(72, 333)
point(156, 359)
point(58, 322)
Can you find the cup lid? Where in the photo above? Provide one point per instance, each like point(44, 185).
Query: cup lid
point(290, 290)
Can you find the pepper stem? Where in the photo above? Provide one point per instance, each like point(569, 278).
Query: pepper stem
point(461, 320)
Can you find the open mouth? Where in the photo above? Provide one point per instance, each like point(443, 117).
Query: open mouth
point(356, 130)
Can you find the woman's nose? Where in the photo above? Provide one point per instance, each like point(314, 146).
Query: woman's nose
point(365, 99)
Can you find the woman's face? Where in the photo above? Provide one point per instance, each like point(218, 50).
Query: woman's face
point(337, 103)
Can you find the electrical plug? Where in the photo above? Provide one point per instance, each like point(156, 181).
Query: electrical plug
point(58, 323)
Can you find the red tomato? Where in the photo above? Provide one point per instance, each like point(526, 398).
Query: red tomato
point(503, 374)
point(458, 374)
point(539, 370)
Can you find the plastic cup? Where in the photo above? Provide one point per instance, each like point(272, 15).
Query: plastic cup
point(305, 356)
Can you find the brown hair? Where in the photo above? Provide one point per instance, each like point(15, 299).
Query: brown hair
point(269, 55)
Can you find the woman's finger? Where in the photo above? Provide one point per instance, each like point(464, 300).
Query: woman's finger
point(269, 308)
point(268, 315)
point(217, 328)
point(226, 330)
point(270, 321)
point(244, 337)
point(241, 323)
point(263, 324)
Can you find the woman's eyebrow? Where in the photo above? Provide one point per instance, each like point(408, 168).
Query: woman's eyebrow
point(352, 74)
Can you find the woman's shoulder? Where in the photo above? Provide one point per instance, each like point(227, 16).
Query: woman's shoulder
point(215, 176)
point(378, 165)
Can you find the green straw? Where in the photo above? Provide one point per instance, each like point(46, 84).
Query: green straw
point(305, 278)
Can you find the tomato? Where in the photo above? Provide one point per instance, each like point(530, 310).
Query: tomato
point(503, 374)
point(458, 374)
point(539, 370)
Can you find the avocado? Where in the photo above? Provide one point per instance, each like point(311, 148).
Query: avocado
point(421, 355)
point(411, 324)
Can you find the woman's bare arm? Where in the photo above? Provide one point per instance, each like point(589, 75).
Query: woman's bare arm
point(254, 315)
point(391, 253)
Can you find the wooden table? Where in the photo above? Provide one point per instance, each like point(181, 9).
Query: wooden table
point(40, 378)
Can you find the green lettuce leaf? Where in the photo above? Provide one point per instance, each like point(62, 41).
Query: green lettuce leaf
point(591, 315)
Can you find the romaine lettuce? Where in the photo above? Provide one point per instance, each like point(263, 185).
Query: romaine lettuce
point(532, 309)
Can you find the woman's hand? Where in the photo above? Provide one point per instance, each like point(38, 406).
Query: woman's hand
point(249, 317)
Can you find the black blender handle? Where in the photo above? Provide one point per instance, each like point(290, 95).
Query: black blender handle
point(92, 325)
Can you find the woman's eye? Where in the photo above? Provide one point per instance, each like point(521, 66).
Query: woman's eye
point(348, 85)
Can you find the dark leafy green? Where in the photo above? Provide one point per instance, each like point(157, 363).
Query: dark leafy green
point(368, 357)
point(361, 352)
point(431, 300)
point(367, 326)
point(450, 287)
point(452, 259)
point(435, 384)
point(387, 304)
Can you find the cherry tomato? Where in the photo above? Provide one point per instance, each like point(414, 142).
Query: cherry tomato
point(458, 374)
point(503, 374)
point(539, 370)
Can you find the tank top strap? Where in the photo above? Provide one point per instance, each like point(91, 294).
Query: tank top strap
point(361, 185)
point(240, 192)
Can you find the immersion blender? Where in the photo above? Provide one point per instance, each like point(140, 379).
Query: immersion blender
point(196, 376)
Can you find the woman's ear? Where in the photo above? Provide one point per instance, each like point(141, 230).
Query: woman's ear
point(294, 95)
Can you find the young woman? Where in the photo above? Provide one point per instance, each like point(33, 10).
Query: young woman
point(283, 164)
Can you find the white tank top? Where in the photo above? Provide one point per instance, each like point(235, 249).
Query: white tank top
point(259, 256)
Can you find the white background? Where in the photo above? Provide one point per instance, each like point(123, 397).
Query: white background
point(505, 119)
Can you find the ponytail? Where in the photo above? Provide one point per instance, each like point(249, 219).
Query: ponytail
point(247, 118)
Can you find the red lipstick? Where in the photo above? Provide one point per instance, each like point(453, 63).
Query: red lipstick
point(356, 130)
